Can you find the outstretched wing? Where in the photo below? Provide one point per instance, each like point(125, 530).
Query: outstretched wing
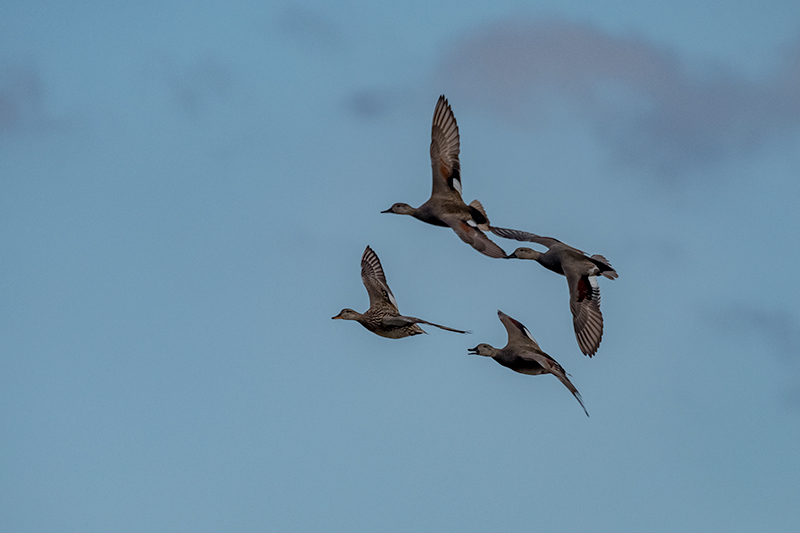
point(559, 372)
point(584, 302)
point(473, 236)
point(375, 280)
point(524, 236)
point(551, 366)
point(407, 320)
point(517, 332)
point(445, 146)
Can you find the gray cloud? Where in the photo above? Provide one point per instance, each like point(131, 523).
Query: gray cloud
point(774, 328)
point(22, 100)
point(370, 104)
point(642, 99)
point(777, 328)
point(309, 27)
point(194, 86)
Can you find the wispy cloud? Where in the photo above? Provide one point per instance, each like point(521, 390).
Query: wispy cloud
point(22, 101)
point(309, 27)
point(777, 327)
point(763, 329)
point(774, 328)
point(645, 101)
point(371, 104)
point(193, 86)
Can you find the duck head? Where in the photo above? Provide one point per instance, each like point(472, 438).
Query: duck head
point(482, 349)
point(347, 314)
point(524, 253)
point(400, 209)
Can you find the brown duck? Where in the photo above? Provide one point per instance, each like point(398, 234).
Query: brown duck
point(383, 317)
point(522, 354)
point(445, 206)
point(581, 272)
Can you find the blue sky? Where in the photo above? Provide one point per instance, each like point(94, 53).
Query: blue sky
point(186, 193)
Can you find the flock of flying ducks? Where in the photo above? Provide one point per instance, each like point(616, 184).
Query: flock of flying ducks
point(446, 208)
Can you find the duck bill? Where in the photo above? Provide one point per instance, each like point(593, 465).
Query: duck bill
point(472, 351)
point(339, 317)
point(387, 211)
point(512, 255)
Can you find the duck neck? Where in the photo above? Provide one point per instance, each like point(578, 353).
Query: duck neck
point(494, 352)
point(550, 262)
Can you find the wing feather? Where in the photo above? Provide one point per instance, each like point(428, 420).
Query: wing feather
point(584, 303)
point(407, 320)
point(474, 236)
point(445, 147)
point(524, 236)
point(517, 332)
point(375, 280)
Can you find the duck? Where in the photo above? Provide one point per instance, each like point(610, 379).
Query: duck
point(522, 354)
point(581, 271)
point(445, 207)
point(383, 318)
